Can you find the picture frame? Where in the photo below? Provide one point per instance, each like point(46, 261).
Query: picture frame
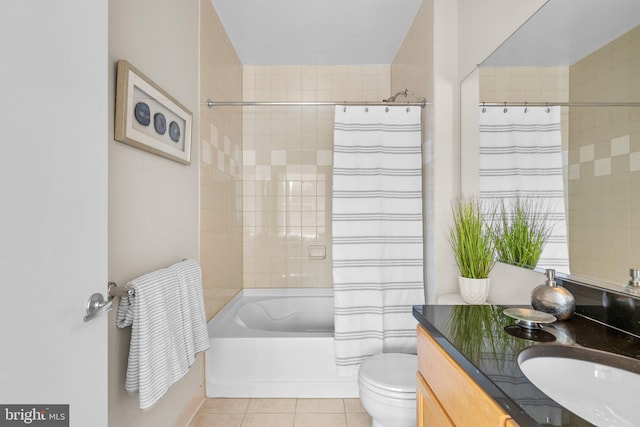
point(149, 118)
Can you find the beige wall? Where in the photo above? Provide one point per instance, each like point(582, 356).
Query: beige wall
point(153, 201)
point(482, 27)
point(412, 69)
point(220, 164)
point(445, 151)
point(517, 84)
point(604, 162)
point(287, 168)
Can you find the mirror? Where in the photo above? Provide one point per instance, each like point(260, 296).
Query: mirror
point(583, 56)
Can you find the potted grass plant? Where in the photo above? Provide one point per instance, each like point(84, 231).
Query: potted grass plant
point(521, 232)
point(472, 243)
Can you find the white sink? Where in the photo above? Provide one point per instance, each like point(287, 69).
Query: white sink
point(603, 388)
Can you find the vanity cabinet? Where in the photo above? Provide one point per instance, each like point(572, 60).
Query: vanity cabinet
point(447, 396)
point(430, 411)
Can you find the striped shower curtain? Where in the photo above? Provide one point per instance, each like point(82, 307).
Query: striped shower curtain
point(376, 231)
point(521, 156)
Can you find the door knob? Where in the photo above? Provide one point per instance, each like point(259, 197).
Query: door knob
point(96, 305)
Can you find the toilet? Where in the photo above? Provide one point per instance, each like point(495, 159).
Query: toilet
point(387, 385)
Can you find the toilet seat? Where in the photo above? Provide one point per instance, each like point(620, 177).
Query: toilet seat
point(391, 375)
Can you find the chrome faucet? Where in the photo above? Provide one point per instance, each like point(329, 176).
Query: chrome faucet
point(635, 277)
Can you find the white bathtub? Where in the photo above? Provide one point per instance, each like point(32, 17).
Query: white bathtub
point(275, 343)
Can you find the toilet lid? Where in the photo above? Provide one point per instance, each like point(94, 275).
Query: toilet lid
point(390, 371)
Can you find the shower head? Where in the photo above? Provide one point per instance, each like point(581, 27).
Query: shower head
point(393, 97)
point(406, 93)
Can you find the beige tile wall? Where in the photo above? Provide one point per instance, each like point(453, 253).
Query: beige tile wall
point(220, 165)
point(287, 158)
point(604, 162)
point(519, 84)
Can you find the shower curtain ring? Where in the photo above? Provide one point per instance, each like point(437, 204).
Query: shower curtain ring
point(505, 107)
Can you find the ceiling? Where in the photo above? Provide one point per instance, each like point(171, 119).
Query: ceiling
point(563, 32)
point(316, 32)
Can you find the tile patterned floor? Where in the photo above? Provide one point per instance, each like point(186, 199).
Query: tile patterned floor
point(281, 413)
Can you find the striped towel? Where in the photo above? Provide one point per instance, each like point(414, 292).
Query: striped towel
point(193, 315)
point(163, 342)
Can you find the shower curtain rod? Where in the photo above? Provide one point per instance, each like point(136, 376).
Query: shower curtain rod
point(559, 104)
point(311, 103)
point(392, 100)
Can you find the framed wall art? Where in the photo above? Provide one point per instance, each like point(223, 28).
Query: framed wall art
point(149, 118)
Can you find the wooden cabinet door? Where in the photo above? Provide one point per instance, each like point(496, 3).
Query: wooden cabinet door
point(462, 399)
point(429, 411)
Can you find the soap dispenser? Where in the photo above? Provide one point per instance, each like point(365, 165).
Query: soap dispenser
point(553, 299)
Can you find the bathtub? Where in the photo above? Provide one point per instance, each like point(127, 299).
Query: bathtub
point(275, 343)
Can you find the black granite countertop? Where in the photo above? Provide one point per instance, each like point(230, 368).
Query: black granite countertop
point(486, 344)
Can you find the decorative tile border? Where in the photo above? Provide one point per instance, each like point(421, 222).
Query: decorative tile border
point(619, 146)
point(227, 158)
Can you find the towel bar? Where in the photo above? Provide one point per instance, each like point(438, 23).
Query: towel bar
point(119, 291)
point(113, 290)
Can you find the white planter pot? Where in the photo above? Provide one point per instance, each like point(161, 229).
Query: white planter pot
point(474, 291)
